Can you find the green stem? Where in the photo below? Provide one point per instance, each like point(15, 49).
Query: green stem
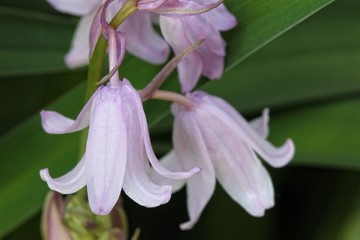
point(97, 59)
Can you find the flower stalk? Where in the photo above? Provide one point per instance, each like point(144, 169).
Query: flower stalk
point(98, 57)
point(173, 97)
point(159, 79)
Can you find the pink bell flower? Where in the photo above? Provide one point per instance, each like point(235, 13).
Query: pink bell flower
point(215, 137)
point(143, 40)
point(118, 149)
point(208, 59)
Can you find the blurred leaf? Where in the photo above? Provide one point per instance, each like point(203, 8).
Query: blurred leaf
point(324, 135)
point(41, 48)
point(33, 42)
point(27, 149)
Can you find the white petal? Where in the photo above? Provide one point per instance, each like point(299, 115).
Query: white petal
point(75, 7)
point(150, 4)
point(142, 39)
point(191, 151)
point(78, 54)
point(261, 124)
point(137, 183)
point(220, 18)
point(55, 123)
point(198, 28)
point(149, 151)
point(236, 165)
point(275, 156)
point(169, 161)
point(69, 183)
point(190, 67)
point(106, 151)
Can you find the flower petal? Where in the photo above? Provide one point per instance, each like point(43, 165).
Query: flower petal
point(180, 8)
point(212, 51)
point(78, 54)
point(191, 151)
point(198, 28)
point(219, 17)
point(169, 161)
point(71, 182)
point(55, 123)
point(146, 138)
point(106, 151)
point(236, 165)
point(75, 7)
point(95, 30)
point(276, 157)
point(190, 67)
point(142, 39)
point(137, 183)
point(150, 4)
point(261, 124)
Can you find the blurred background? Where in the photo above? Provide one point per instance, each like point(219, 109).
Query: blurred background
point(299, 58)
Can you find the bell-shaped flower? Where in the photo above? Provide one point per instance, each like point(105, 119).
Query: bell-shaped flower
point(208, 59)
point(118, 151)
point(215, 137)
point(143, 40)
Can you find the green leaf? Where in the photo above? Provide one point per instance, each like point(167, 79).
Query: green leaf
point(324, 135)
point(27, 149)
point(33, 42)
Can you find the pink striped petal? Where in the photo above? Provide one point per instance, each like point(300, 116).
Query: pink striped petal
point(260, 125)
point(106, 151)
point(142, 39)
point(237, 168)
point(71, 182)
point(55, 123)
point(150, 4)
point(169, 161)
point(137, 182)
point(78, 54)
point(190, 67)
point(276, 157)
point(191, 151)
point(219, 17)
point(146, 139)
point(180, 8)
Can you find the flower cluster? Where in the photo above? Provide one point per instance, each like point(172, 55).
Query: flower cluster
point(211, 139)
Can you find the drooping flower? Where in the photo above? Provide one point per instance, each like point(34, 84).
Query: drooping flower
point(143, 40)
point(117, 151)
point(118, 147)
point(207, 59)
point(215, 137)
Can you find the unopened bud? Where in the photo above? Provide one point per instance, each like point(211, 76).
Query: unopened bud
point(52, 227)
point(84, 224)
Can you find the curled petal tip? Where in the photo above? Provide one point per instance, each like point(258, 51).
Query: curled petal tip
point(44, 174)
point(186, 226)
point(196, 170)
point(285, 154)
point(259, 213)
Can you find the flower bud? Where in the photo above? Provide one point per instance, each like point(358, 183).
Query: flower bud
point(52, 227)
